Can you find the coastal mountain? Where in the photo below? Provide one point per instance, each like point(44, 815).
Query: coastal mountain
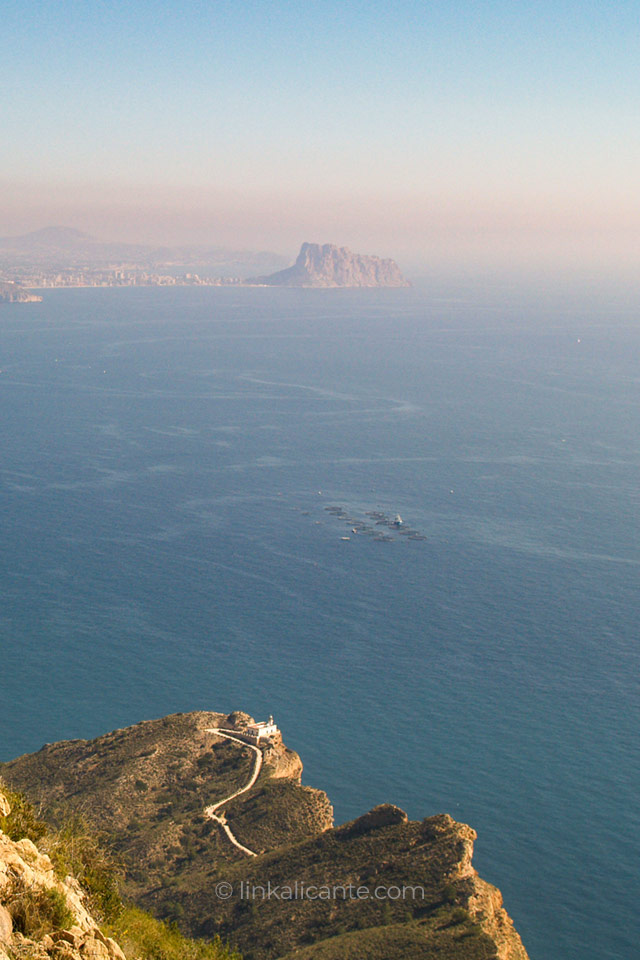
point(329, 266)
point(208, 824)
point(148, 786)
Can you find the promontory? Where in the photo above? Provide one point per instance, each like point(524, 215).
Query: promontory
point(215, 833)
point(13, 293)
point(325, 265)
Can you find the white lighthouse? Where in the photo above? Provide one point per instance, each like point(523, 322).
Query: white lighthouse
point(263, 729)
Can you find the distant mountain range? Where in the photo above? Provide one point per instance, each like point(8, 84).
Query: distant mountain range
point(48, 237)
point(60, 246)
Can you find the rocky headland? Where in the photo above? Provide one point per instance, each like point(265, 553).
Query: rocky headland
point(325, 265)
point(14, 293)
point(148, 788)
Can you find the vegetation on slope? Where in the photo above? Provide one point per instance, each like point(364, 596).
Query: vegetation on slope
point(75, 851)
point(147, 788)
point(416, 883)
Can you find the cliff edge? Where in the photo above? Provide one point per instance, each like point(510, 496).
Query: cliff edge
point(325, 265)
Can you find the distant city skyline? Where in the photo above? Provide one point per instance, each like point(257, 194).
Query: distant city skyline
point(485, 134)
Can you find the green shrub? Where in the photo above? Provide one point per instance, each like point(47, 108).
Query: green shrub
point(75, 850)
point(458, 915)
point(173, 911)
point(449, 893)
point(36, 910)
point(22, 821)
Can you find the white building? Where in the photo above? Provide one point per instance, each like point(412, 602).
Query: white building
point(262, 730)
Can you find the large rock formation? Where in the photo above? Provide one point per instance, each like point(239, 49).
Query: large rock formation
point(329, 266)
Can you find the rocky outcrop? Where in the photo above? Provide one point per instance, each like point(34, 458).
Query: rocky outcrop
point(384, 815)
point(29, 892)
point(13, 293)
point(325, 265)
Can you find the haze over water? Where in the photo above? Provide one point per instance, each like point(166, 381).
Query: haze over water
point(168, 456)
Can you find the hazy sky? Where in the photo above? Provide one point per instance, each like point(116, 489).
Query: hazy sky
point(425, 130)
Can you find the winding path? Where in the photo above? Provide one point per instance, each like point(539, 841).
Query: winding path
point(210, 811)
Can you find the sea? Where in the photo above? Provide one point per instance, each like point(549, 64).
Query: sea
point(168, 458)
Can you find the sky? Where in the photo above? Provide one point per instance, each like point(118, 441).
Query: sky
point(437, 132)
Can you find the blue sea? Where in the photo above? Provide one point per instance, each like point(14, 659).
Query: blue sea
point(168, 456)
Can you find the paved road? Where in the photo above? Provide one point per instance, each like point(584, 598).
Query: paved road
point(220, 818)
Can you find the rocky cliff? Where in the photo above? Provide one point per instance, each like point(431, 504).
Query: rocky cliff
point(329, 266)
point(381, 885)
point(41, 915)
